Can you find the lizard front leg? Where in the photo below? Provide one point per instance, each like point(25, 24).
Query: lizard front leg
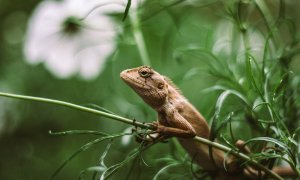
point(174, 125)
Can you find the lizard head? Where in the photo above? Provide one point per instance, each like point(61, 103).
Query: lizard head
point(148, 84)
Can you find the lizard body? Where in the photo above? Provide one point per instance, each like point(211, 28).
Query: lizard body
point(179, 118)
point(176, 116)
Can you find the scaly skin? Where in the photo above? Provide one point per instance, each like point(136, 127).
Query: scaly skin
point(179, 118)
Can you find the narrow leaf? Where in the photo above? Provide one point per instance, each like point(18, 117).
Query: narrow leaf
point(81, 149)
point(71, 132)
point(164, 170)
point(94, 106)
point(91, 169)
point(282, 84)
point(233, 92)
point(275, 141)
point(126, 10)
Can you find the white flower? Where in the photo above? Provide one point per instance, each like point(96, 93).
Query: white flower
point(72, 36)
point(125, 140)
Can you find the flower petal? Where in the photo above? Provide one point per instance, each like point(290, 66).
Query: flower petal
point(84, 51)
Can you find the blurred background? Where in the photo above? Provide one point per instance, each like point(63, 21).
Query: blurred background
point(74, 51)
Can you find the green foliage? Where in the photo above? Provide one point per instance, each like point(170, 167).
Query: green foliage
point(237, 61)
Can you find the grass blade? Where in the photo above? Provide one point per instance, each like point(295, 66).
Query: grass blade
point(72, 132)
point(126, 10)
point(81, 149)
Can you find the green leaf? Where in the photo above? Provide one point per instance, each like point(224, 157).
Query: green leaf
point(250, 74)
point(126, 10)
point(71, 132)
point(96, 107)
point(231, 91)
point(296, 132)
point(220, 101)
point(91, 169)
point(214, 122)
point(194, 48)
point(81, 149)
point(282, 84)
point(260, 104)
point(217, 128)
point(284, 146)
point(190, 73)
point(164, 170)
point(114, 168)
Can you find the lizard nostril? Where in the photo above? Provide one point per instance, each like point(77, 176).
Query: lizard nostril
point(160, 86)
point(124, 74)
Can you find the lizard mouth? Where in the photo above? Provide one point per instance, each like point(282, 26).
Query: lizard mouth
point(133, 81)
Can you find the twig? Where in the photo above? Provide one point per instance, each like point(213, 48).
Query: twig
point(78, 107)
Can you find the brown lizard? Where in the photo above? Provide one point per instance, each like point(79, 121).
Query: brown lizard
point(178, 118)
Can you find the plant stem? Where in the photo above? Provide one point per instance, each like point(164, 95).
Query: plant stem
point(142, 125)
point(75, 106)
point(139, 38)
point(265, 12)
point(238, 154)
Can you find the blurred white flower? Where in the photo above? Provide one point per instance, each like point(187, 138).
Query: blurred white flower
point(125, 140)
point(73, 36)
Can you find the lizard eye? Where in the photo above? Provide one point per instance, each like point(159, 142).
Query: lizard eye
point(145, 72)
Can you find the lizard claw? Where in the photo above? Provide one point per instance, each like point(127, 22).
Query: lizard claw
point(157, 128)
point(153, 135)
point(146, 137)
point(153, 125)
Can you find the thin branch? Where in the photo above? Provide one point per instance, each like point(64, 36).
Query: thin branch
point(78, 107)
point(238, 154)
point(144, 126)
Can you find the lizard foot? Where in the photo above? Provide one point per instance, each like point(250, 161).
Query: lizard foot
point(157, 128)
point(151, 136)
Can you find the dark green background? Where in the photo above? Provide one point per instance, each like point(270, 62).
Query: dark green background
point(27, 151)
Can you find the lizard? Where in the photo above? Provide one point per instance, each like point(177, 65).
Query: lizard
point(177, 117)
